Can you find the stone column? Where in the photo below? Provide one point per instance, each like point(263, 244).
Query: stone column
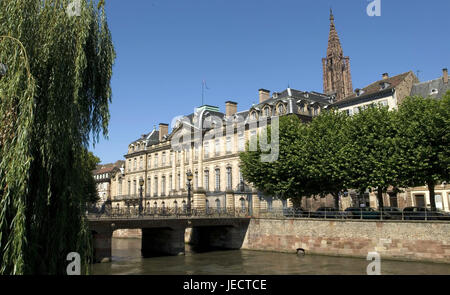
point(255, 203)
point(229, 195)
point(199, 199)
point(102, 238)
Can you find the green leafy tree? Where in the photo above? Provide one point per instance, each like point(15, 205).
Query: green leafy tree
point(54, 97)
point(90, 163)
point(424, 133)
point(373, 155)
point(286, 177)
point(327, 149)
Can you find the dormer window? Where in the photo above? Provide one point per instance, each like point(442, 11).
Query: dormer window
point(281, 109)
point(359, 92)
point(434, 91)
point(384, 85)
point(253, 116)
point(266, 112)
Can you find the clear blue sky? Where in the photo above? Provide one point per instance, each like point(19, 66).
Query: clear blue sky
point(165, 48)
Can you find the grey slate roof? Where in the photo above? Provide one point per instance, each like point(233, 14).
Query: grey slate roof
point(433, 88)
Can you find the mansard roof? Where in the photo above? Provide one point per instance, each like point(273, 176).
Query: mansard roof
point(434, 88)
point(289, 93)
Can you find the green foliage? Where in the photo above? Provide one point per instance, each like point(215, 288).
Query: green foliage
point(374, 158)
point(46, 120)
point(328, 151)
point(285, 177)
point(423, 126)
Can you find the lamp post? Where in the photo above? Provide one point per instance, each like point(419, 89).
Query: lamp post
point(141, 184)
point(189, 177)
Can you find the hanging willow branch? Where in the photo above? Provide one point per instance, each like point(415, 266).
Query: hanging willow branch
point(53, 100)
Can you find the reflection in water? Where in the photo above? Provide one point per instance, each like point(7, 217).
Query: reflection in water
point(127, 260)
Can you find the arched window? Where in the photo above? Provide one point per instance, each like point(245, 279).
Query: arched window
point(266, 112)
point(281, 109)
point(183, 205)
point(218, 204)
point(243, 207)
point(229, 178)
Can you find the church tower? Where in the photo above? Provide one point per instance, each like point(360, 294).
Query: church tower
point(337, 79)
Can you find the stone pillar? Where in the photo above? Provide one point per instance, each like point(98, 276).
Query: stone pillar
point(255, 203)
point(199, 199)
point(102, 239)
point(163, 241)
point(229, 195)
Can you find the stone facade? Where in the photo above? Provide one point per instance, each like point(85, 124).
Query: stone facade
point(398, 240)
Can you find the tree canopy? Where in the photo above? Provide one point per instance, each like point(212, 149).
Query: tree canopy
point(54, 100)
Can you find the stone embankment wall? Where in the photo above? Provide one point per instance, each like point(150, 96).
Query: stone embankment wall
point(400, 240)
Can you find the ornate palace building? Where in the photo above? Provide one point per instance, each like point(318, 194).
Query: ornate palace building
point(157, 163)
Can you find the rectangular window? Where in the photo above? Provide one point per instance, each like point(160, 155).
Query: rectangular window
point(149, 162)
point(196, 180)
point(163, 186)
point(196, 152)
point(217, 187)
point(141, 163)
point(229, 145)
point(149, 185)
point(420, 200)
point(156, 161)
point(241, 141)
point(206, 150)
point(155, 189)
point(217, 147)
point(170, 182)
point(135, 164)
point(129, 165)
point(129, 188)
point(134, 188)
point(206, 180)
point(163, 160)
point(179, 181)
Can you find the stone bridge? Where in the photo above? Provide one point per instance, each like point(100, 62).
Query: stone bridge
point(166, 235)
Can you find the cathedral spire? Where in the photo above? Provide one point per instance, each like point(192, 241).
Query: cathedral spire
point(336, 68)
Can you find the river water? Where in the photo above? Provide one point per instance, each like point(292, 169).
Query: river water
point(127, 260)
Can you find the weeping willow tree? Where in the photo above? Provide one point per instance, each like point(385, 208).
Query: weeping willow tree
point(53, 101)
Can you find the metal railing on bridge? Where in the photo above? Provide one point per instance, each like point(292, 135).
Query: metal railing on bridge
point(166, 213)
point(411, 213)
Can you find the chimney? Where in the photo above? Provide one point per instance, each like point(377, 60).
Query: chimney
point(263, 95)
point(445, 75)
point(163, 130)
point(230, 108)
point(385, 76)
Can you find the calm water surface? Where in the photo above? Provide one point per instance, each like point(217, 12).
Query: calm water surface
point(127, 260)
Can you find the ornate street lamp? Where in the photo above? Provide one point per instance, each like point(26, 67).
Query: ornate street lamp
point(141, 184)
point(189, 177)
point(3, 70)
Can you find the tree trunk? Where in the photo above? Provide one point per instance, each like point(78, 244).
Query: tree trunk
point(380, 198)
point(431, 185)
point(297, 202)
point(336, 200)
